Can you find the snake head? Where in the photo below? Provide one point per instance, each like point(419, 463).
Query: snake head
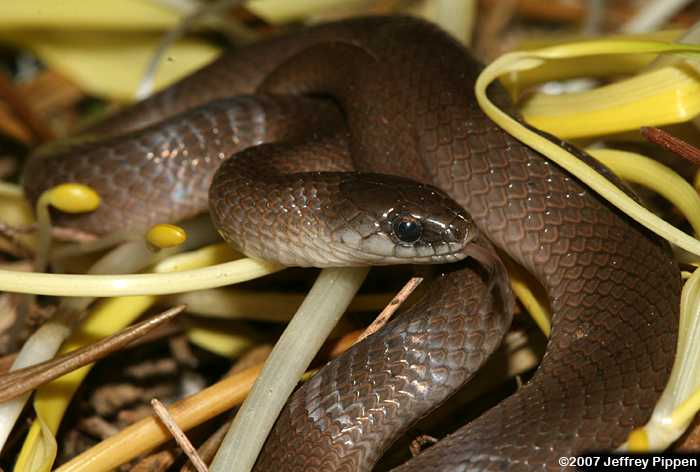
point(392, 220)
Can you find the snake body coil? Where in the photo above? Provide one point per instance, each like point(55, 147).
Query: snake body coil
point(405, 91)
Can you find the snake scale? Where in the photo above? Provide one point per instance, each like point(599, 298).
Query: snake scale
point(394, 95)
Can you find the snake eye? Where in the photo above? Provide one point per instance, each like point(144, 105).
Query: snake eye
point(407, 229)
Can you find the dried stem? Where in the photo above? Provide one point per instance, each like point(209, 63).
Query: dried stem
point(180, 437)
point(675, 145)
point(207, 450)
point(390, 309)
point(17, 382)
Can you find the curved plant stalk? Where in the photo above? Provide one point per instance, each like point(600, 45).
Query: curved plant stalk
point(677, 406)
point(71, 285)
point(527, 60)
point(680, 401)
point(655, 176)
point(324, 305)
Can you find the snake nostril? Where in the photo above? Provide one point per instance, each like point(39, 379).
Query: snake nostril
point(455, 234)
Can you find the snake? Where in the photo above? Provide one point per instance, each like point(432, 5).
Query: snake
point(359, 142)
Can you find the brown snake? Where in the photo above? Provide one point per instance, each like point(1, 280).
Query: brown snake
point(405, 90)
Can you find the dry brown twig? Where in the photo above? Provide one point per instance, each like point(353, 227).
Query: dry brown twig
point(21, 381)
point(676, 145)
point(207, 450)
point(180, 437)
point(390, 309)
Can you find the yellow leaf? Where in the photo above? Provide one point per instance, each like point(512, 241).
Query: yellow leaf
point(585, 66)
point(68, 15)
point(228, 343)
point(111, 64)
point(658, 97)
point(281, 11)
